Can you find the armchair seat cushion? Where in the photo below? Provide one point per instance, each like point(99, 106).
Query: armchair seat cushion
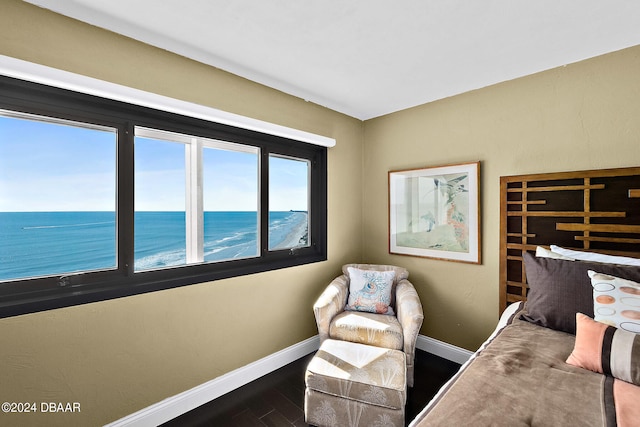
point(379, 330)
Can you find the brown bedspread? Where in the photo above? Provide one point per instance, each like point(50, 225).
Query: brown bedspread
point(521, 379)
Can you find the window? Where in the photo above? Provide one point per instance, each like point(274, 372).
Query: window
point(196, 200)
point(100, 199)
point(288, 202)
point(57, 198)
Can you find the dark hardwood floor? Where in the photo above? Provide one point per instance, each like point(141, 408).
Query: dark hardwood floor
point(277, 399)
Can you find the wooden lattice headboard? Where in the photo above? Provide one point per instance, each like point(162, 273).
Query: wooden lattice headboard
point(597, 210)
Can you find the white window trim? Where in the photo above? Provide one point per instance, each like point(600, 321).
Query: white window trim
point(194, 203)
point(37, 73)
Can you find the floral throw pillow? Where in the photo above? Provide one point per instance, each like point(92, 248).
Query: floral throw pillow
point(370, 291)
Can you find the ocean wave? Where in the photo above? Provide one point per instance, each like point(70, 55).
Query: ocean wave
point(162, 259)
point(86, 224)
point(177, 257)
point(245, 250)
point(241, 235)
point(217, 250)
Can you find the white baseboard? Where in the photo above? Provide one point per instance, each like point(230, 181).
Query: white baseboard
point(179, 404)
point(443, 349)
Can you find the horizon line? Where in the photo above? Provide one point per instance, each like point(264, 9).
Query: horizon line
point(289, 210)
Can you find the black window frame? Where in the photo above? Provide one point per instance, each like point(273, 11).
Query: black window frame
point(45, 293)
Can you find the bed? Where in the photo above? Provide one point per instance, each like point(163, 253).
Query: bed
point(566, 350)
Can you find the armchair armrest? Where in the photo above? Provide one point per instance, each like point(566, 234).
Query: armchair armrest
point(330, 303)
point(410, 315)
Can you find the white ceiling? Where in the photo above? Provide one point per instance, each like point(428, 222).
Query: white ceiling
point(367, 58)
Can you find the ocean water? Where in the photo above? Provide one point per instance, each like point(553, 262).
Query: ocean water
point(48, 243)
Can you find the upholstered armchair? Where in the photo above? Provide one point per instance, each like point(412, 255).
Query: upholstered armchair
point(340, 317)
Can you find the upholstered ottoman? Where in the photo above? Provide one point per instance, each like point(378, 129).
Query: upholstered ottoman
point(349, 384)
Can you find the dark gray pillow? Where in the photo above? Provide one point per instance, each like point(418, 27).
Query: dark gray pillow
point(558, 289)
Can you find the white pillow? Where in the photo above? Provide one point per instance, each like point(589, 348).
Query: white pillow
point(595, 257)
point(546, 253)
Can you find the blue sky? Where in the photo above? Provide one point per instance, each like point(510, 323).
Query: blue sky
point(46, 167)
point(52, 167)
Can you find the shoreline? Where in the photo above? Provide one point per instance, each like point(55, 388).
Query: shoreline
point(297, 237)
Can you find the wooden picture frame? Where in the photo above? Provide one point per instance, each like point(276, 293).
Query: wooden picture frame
point(434, 212)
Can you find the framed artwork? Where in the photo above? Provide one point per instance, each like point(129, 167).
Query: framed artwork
point(435, 212)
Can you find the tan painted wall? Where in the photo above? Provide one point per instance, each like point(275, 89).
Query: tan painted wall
point(582, 116)
point(119, 356)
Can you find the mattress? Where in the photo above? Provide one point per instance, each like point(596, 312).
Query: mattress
point(519, 377)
